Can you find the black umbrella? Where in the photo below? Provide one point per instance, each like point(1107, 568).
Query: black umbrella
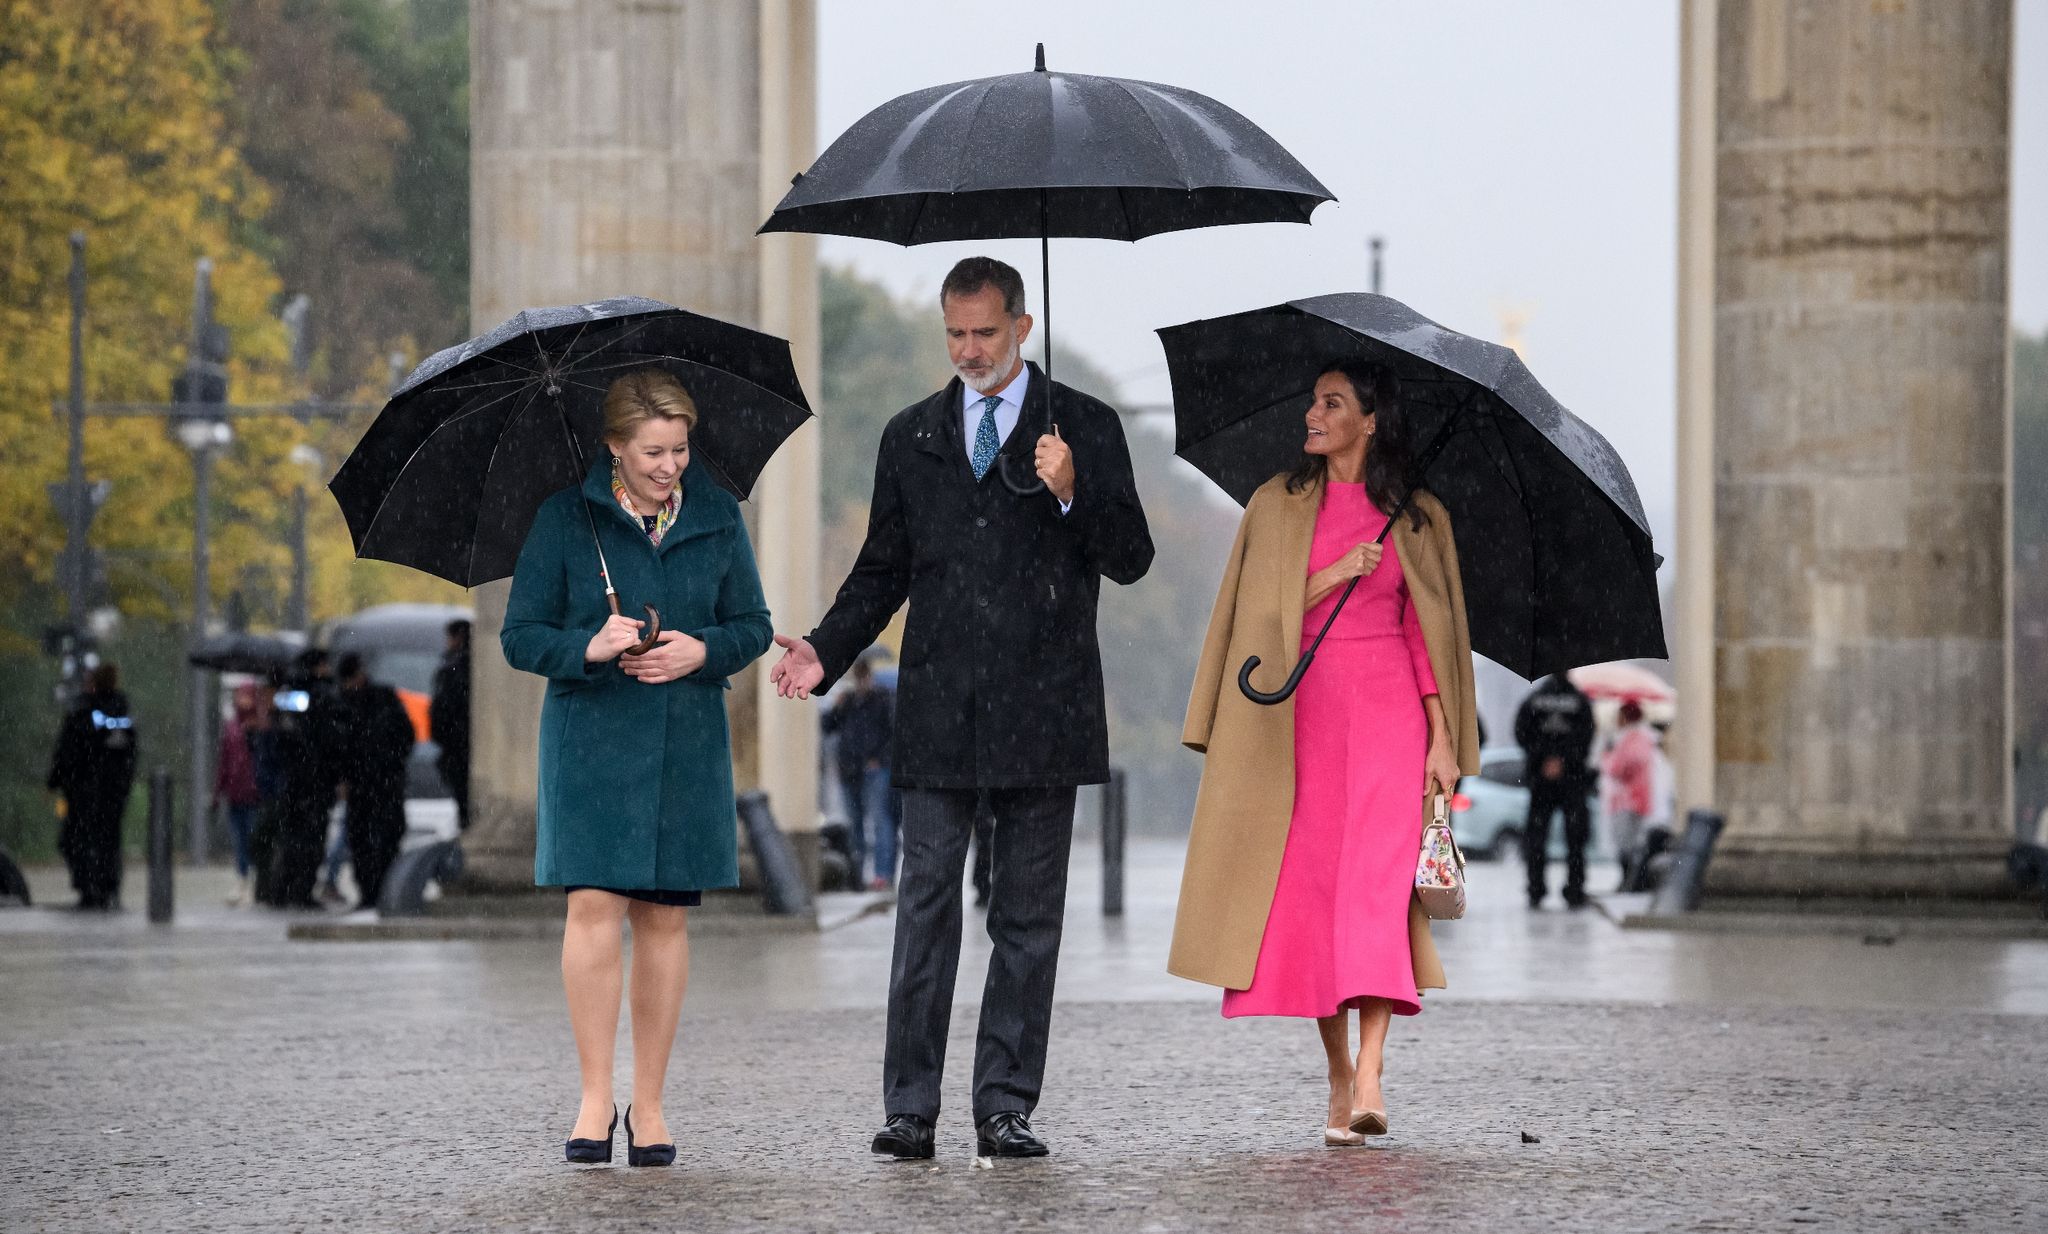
point(449, 477)
point(239, 651)
point(1552, 541)
point(1046, 154)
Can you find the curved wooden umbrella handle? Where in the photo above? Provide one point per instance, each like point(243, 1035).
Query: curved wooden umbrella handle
point(645, 645)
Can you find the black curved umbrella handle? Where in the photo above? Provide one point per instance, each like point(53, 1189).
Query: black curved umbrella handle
point(1032, 489)
point(1281, 695)
point(1287, 688)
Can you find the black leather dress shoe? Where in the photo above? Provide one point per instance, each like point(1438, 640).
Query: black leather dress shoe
point(1007, 1134)
point(905, 1137)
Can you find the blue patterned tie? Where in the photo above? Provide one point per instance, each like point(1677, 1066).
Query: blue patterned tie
point(985, 436)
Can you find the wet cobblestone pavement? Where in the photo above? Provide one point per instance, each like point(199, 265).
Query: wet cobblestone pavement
point(215, 1076)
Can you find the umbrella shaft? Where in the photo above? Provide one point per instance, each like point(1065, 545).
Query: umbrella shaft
point(576, 452)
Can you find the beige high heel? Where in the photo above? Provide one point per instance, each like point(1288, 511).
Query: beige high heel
point(1368, 1122)
point(1340, 1137)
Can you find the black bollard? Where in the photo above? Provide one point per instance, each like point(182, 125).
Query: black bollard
point(1113, 844)
point(783, 889)
point(1682, 887)
point(160, 814)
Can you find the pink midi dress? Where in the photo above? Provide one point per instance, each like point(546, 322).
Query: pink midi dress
point(1338, 929)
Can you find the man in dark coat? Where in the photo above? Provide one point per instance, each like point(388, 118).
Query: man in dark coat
point(999, 690)
point(1555, 730)
point(448, 718)
point(376, 739)
point(305, 751)
point(94, 768)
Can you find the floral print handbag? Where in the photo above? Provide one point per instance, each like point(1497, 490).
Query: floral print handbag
point(1440, 872)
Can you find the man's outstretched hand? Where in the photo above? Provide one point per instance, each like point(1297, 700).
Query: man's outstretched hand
point(798, 672)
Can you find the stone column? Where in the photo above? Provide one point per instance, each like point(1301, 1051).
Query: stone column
point(786, 526)
point(1691, 634)
point(617, 148)
point(1859, 445)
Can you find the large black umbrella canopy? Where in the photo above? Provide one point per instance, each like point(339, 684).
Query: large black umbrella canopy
point(449, 477)
point(1556, 555)
point(1046, 154)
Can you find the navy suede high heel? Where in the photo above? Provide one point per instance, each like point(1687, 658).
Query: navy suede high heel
point(647, 1154)
point(594, 1152)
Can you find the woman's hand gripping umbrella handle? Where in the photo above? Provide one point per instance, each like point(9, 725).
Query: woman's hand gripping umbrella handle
point(645, 645)
point(1287, 688)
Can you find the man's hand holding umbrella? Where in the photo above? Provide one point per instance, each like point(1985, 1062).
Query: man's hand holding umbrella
point(1054, 460)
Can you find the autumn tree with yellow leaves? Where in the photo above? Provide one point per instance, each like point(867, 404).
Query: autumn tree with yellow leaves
point(117, 120)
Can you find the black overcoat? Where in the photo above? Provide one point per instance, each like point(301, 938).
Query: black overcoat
point(1000, 679)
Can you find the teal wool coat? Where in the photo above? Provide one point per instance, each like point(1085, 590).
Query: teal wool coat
point(635, 780)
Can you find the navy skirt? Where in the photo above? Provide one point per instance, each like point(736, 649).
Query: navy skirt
point(668, 899)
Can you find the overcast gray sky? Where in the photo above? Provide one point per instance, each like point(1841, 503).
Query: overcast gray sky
point(1517, 157)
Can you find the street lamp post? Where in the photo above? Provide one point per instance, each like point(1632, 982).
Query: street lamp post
point(204, 439)
point(203, 430)
point(76, 508)
point(297, 614)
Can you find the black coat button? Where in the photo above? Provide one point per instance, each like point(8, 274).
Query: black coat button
point(981, 522)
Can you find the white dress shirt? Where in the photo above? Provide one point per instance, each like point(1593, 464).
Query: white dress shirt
point(1007, 413)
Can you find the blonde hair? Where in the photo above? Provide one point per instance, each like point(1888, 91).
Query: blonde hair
point(643, 395)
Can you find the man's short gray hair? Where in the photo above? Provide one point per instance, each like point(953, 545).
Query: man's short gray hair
point(970, 274)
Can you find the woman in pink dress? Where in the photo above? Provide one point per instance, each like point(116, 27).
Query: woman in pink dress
point(1371, 740)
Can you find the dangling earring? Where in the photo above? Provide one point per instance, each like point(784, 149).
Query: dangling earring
point(615, 462)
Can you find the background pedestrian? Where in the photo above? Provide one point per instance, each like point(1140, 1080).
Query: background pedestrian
point(236, 794)
point(448, 718)
point(1628, 773)
point(93, 768)
point(376, 740)
point(862, 718)
point(305, 746)
point(1554, 727)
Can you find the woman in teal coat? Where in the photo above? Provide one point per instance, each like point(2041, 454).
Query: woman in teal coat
point(635, 809)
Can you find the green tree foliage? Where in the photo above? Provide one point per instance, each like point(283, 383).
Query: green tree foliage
point(110, 123)
point(364, 146)
point(117, 118)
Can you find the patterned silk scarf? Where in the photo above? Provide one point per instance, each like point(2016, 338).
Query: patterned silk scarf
point(662, 518)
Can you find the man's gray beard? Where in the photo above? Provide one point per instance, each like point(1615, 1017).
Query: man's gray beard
point(991, 378)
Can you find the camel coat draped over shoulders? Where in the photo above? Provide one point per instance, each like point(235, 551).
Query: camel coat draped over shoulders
point(1247, 796)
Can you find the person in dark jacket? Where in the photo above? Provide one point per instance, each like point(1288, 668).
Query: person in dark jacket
point(304, 751)
point(1555, 730)
point(448, 718)
point(999, 691)
point(94, 768)
point(862, 719)
point(376, 740)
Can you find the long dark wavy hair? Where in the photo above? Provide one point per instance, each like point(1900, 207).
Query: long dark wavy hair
point(1390, 456)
